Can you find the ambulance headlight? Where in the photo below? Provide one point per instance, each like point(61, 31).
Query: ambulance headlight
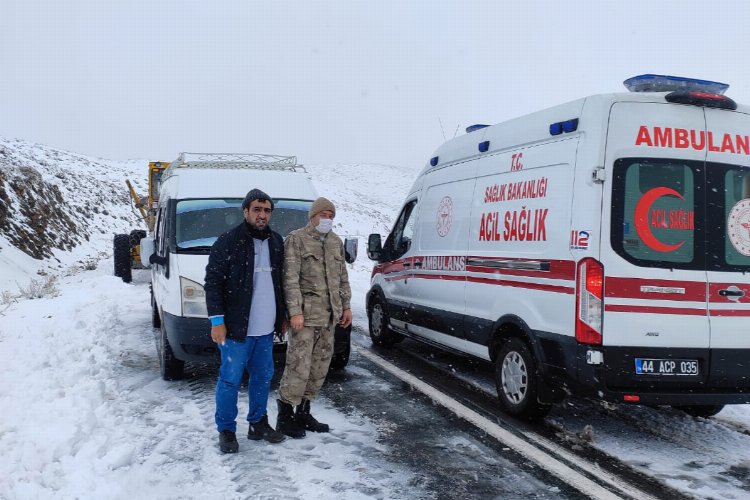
point(193, 299)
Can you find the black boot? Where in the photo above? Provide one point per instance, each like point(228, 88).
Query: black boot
point(306, 420)
point(228, 442)
point(261, 430)
point(286, 422)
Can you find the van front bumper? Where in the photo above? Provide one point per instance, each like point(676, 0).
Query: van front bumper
point(190, 339)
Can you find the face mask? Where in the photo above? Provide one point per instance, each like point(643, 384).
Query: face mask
point(324, 226)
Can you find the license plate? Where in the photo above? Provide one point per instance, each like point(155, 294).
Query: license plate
point(648, 366)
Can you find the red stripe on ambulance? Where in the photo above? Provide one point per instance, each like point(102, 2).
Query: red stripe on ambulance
point(640, 288)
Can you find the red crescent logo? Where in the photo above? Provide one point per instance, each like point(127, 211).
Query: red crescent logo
point(641, 219)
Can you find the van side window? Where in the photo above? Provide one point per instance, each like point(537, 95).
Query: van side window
point(399, 241)
point(160, 240)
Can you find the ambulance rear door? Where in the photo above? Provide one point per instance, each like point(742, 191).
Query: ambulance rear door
point(655, 322)
point(728, 226)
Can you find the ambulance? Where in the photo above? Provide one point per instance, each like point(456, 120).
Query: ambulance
point(599, 247)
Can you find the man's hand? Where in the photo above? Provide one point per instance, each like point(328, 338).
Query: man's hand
point(219, 333)
point(284, 328)
point(346, 318)
point(298, 322)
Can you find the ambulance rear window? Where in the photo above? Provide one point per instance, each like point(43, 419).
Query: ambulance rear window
point(654, 211)
point(679, 214)
point(728, 196)
point(671, 176)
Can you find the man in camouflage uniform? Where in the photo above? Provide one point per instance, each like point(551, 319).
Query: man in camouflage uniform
point(317, 292)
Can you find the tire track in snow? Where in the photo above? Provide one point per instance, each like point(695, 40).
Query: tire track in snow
point(257, 463)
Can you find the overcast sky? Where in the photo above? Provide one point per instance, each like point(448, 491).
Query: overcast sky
point(347, 81)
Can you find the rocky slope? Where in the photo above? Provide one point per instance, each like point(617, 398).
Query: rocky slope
point(59, 208)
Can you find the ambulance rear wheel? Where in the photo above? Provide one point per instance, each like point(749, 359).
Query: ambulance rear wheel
point(516, 378)
point(703, 411)
point(380, 332)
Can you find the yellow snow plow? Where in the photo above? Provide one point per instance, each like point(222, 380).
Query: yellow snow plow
point(127, 247)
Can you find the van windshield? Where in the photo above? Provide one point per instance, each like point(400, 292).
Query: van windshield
point(681, 214)
point(200, 222)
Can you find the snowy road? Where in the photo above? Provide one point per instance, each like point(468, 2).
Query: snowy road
point(86, 415)
point(701, 458)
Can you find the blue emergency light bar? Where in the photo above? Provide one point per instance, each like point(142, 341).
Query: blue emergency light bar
point(667, 83)
point(567, 126)
point(478, 126)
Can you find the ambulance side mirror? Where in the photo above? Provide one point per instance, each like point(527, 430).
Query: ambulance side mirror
point(350, 249)
point(374, 247)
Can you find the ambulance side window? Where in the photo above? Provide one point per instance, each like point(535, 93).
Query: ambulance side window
point(399, 241)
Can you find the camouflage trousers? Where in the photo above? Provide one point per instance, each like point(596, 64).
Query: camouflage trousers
point(308, 354)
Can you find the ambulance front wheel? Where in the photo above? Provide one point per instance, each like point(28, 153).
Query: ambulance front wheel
point(380, 331)
point(516, 378)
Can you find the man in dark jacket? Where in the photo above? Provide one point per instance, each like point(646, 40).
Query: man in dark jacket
point(246, 306)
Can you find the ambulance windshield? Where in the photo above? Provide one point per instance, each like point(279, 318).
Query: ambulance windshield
point(681, 214)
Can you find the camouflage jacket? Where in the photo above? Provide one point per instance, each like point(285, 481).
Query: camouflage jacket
point(316, 283)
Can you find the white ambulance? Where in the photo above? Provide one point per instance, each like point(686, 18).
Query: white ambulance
point(600, 247)
point(200, 197)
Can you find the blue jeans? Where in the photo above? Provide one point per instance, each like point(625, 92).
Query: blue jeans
point(255, 355)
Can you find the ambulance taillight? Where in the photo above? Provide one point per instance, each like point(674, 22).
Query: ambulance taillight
point(589, 301)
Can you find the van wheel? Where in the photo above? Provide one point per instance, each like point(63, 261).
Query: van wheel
point(516, 378)
point(155, 319)
point(380, 333)
point(171, 367)
point(121, 256)
point(703, 411)
point(340, 360)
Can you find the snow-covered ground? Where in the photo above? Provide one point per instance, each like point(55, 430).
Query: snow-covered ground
point(85, 414)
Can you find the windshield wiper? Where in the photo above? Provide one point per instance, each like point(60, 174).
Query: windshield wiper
point(195, 249)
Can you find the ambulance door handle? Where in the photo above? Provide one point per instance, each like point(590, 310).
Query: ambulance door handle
point(731, 293)
point(418, 263)
point(407, 264)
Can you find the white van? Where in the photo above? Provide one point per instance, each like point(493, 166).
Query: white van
point(599, 247)
point(200, 197)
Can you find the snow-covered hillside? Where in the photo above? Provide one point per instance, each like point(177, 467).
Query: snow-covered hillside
point(59, 210)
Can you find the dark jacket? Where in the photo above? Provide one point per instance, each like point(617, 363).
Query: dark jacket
point(229, 279)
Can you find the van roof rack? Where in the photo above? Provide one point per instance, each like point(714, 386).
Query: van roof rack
point(235, 160)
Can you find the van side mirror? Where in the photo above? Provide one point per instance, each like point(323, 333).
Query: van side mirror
point(350, 249)
point(147, 250)
point(374, 247)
